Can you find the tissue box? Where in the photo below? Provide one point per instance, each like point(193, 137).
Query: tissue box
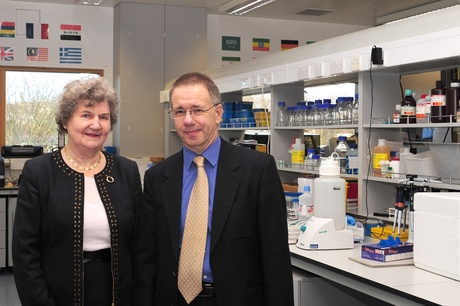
point(437, 232)
point(381, 253)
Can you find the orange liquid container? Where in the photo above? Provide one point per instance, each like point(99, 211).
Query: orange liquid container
point(381, 152)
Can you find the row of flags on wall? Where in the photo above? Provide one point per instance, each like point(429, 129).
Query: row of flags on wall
point(263, 44)
point(67, 31)
point(233, 43)
point(40, 54)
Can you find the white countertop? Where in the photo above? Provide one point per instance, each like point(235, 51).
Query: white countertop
point(392, 284)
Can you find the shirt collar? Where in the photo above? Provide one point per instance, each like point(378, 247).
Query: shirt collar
point(211, 154)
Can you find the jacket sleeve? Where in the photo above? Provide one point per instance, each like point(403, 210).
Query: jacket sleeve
point(146, 254)
point(273, 238)
point(28, 274)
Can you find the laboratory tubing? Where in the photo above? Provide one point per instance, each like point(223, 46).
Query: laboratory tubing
point(281, 114)
point(408, 108)
point(330, 193)
point(420, 110)
point(381, 152)
point(341, 149)
point(438, 103)
point(452, 98)
point(298, 152)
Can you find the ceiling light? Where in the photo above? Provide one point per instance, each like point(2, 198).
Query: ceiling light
point(98, 2)
point(240, 7)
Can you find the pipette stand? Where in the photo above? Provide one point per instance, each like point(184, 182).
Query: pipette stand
point(320, 233)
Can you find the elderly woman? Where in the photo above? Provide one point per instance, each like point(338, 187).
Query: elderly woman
point(75, 216)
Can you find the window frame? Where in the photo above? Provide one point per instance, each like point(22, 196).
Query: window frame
point(4, 69)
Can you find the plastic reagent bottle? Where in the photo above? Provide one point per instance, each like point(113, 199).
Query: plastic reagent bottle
point(330, 193)
point(420, 112)
point(452, 99)
point(438, 103)
point(298, 152)
point(306, 203)
point(408, 107)
point(381, 152)
point(281, 114)
point(341, 149)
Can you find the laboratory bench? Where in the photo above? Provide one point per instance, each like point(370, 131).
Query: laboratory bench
point(7, 208)
point(400, 285)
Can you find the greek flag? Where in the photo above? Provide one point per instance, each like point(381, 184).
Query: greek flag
point(70, 55)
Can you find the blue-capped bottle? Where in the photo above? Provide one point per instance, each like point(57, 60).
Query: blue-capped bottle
point(281, 114)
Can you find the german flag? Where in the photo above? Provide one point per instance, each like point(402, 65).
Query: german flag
point(289, 44)
point(260, 44)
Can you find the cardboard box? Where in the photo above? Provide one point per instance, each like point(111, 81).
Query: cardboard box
point(381, 253)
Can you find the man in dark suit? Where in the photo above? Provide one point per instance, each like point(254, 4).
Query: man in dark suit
point(246, 261)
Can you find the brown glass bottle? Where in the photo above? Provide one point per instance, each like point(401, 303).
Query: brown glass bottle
point(408, 106)
point(438, 103)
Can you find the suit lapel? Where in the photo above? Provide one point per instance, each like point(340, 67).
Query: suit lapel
point(227, 183)
point(172, 195)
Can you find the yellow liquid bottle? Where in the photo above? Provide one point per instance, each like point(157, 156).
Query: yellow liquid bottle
point(381, 152)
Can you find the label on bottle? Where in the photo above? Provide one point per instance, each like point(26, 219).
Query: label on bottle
point(377, 157)
point(438, 100)
point(420, 111)
point(407, 110)
point(297, 156)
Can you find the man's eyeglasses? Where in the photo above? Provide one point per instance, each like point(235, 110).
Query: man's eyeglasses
point(195, 112)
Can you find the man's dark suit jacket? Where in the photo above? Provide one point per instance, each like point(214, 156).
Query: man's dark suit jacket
point(250, 258)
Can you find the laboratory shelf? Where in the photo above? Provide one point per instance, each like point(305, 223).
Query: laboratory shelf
point(410, 126)
point(302, 170)
point(435, 183)
point(324, 127)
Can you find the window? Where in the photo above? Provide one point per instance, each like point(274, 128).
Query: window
point(28, 102)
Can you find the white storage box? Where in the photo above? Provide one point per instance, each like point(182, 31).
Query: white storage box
point(445, 157)
point(437, 232)
point(421, 164)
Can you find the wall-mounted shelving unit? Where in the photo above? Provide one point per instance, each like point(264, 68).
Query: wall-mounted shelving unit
point(409, 47)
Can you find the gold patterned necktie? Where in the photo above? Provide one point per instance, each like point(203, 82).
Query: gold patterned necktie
point(194, 238)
